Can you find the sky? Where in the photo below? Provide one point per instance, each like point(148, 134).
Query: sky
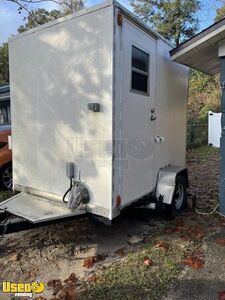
point(10, 19)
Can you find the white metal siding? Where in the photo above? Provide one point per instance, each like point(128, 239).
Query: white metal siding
point(55, 73)
point(171, 109)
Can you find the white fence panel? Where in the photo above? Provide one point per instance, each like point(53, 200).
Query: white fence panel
point(214, 130)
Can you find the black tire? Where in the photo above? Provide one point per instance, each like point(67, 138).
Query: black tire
point(179, 201)
point(6, 177)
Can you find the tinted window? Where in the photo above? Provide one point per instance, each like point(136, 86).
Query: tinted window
point(139, 59)
point(139, 75)
point(139, 82)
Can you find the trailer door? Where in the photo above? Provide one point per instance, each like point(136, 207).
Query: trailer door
point(138, 111)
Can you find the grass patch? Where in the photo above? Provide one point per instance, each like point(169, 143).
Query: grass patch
point(5, 195)
point(204, 152)
point(132, 279)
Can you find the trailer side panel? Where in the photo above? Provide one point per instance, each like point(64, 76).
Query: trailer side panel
point(56, 71)
point(171, 110)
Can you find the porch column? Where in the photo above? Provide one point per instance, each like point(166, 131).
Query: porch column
point(222, 140)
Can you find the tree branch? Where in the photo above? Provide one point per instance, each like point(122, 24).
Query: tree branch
point(20, 5)
point(36, 1)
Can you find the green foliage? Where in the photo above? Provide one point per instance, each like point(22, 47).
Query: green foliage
point(131, 279)
point(204, 96)
point(200, 82)
point(70, 6)
point(4, 64)
point(197, 134)
point(204, 153)
point(176, 20)
point(220, 13)
point(6, 195)
point(35, 18)
point(38, 17)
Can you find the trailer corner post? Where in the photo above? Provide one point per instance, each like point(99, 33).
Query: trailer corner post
point(222, 141)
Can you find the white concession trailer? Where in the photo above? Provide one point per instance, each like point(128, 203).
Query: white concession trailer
point(95, 96)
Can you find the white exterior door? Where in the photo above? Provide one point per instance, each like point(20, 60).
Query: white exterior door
point(137, 115)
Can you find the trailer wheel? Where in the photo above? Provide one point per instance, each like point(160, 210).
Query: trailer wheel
point(6, 177)
point(179, 201)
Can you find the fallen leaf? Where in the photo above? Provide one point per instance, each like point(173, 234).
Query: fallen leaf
point(194, 262)
point(220, 242)
point(199, 253)
point(14, 257)
point(162, 246)
point(56, 285)
point(68, 292)
point(31, 274)
point(179, 223)
point(148, 262)
point(72, 279)
point(185, 238)
point(221, 295)
point(197, 232)
point(169, 230)
point(54, 282)
point(93, 278)
point(179, 229)
point(88, 262)
point(188, 233)
point(120, 252)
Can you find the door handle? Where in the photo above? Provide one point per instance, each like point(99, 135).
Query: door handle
point(153, 118)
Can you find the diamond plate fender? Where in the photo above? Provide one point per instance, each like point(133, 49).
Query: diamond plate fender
point(166, 182)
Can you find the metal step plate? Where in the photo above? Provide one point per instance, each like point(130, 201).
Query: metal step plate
point(36, 209)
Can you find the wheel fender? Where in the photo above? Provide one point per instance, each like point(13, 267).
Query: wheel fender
point(166, 182)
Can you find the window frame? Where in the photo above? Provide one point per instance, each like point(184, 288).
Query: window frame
point(139, 71)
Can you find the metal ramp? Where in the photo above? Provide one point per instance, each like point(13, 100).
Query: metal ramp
point(36, 209)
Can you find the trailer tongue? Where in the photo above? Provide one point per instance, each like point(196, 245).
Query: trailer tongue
point(37, 210)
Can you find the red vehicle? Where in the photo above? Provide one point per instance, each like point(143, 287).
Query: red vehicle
point(5, 158)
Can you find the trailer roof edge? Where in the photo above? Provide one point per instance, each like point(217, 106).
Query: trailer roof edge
point(91, 9)
point(139, 22)
point(77, 14)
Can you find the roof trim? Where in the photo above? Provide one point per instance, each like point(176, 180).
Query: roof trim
point(213, 30)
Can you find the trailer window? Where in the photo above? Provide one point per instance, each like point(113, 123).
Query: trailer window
point(140, 70)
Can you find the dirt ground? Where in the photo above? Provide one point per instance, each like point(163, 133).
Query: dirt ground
point(141, 256)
